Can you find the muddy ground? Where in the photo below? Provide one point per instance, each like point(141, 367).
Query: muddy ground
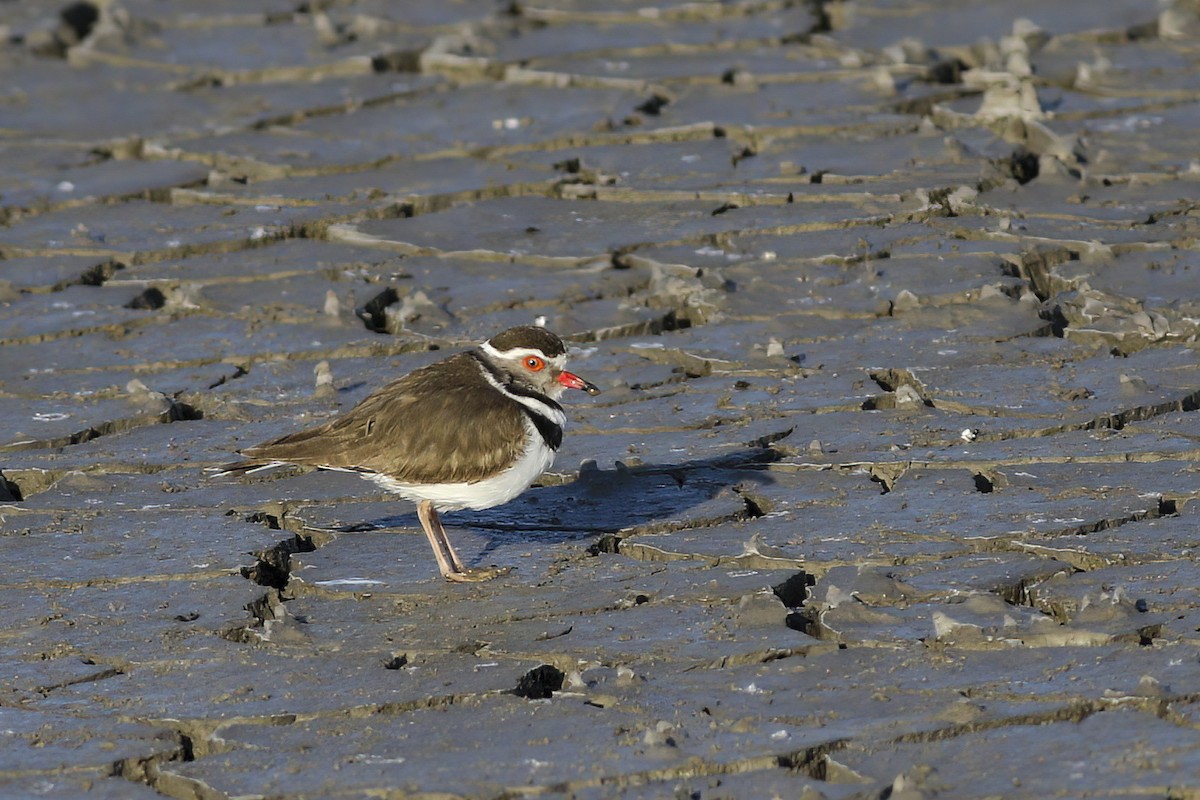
point(891, 491)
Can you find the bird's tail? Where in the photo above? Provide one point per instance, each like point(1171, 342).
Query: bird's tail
point(239, 468)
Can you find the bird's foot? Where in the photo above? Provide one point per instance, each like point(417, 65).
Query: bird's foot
point(476, 574)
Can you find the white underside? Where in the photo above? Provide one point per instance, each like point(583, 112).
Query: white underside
point(486, 493)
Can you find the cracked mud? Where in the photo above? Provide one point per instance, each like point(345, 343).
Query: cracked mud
point(891, 492)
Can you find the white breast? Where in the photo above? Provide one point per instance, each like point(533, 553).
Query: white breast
point(493, 491)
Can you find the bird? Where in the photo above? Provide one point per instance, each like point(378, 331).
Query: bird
point(471, 431)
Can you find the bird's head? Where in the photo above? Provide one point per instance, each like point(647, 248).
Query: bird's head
point(534, 358)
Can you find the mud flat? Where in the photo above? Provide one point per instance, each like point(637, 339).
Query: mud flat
point(891, 491)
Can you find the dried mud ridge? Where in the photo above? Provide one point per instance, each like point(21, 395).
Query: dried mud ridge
point(895, 318)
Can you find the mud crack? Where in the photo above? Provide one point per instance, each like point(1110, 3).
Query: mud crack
point(272, 568)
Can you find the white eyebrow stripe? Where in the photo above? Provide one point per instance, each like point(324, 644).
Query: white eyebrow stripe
point(559, 362)
point(514, 352)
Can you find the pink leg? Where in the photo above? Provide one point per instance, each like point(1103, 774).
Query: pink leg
point(449, 564)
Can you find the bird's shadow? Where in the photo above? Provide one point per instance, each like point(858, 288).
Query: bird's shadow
point(608, 501)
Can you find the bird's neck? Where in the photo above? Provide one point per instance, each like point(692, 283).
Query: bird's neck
point(523, 393)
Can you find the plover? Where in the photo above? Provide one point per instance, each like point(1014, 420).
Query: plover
point(469, 432)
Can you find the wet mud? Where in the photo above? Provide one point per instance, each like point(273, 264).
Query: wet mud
point(891, 490)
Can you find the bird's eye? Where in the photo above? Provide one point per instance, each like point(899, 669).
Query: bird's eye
point(534, 364)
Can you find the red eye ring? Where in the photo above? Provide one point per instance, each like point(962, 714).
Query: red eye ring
point(534, 364)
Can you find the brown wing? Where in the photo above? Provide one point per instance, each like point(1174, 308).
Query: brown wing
point(440, 423)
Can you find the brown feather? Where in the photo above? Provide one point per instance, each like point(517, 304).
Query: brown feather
point(441, 423)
